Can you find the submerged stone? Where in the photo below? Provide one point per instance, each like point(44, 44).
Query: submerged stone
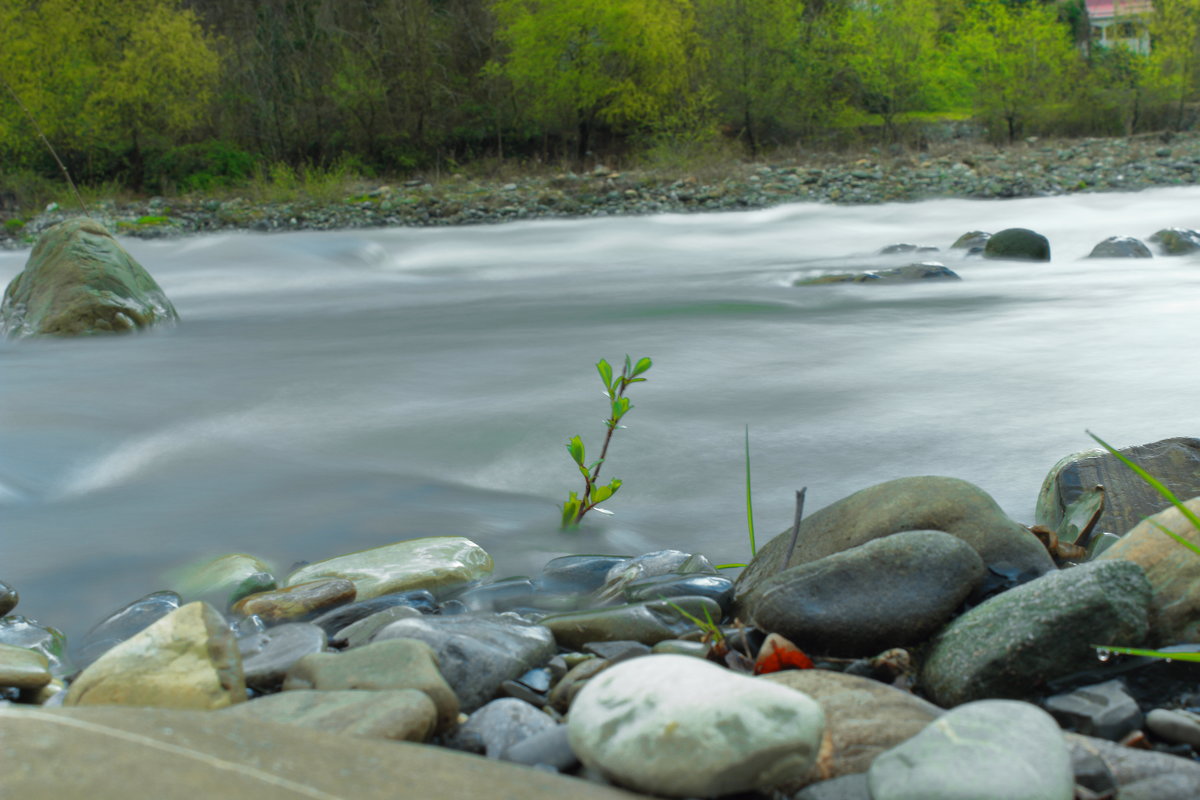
point(80, 282)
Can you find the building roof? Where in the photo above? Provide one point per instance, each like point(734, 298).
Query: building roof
point(1107, 9)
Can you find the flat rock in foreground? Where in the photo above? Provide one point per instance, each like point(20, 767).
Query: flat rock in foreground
point(159, 754)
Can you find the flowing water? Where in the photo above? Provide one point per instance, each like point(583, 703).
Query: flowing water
point(328, 392)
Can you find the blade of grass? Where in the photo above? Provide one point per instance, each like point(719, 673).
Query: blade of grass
point(749, 507)
point(1135, 651)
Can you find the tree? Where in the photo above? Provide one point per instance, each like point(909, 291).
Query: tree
point(1175, 56)
point(1016, 59)
point(579, 63)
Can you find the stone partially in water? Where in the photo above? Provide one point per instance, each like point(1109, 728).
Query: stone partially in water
point(21, 631)
point(186, 660)
point(267, 656)
point(1121, 247)
point(649, 622)
point(971, 241)
point(929, 270)
point(439, 562)
point(226, 579)
point(8, 598)
point(1017, 244)
point(124, 623)
point(1177, 241)
point(79, 282)
point(297, 602)
point(23, 669)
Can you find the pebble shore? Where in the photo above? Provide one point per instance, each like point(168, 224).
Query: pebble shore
point(954, 169)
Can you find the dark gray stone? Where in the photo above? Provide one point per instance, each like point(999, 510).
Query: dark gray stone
point(8, 598)
point(659, 587)
point(1017, 244)
point(344, 616)
point(1131, 769)
point(649, 565)
point(972, 241)
point(1014, 643)
point(1121, 247)
point(124, 623)
point(267, 656)
point(584, 573)
point(617, 651)
point(1177, 241)
point(889, 592)
point(549, 747)
point(929, 270)
point(1104, 710)
point(906, 504)
point(499, 725)
point(1127, 498)
point(477, 653)
point(359, 633)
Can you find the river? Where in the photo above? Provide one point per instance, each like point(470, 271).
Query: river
point(328, 392)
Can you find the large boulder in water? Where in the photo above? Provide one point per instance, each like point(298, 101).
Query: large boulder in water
point(1177, 241)
point(80, 282)
point(1121, 247)
point(1017, 244)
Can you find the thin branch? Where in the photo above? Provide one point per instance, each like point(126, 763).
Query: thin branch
point(49, 146)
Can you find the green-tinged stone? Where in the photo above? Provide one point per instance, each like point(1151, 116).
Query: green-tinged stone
point(80, 282)
point(160, 754)
point(226, 579)
point(649, 623)
point(432, 563)
point(8, 598)
point(23, 669)
point(403, 715)
point(189, 659)
point(298, 602)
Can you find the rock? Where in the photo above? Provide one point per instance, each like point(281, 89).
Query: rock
point(381, 666)
point(888, 592)
point(972, 241)
point(659, 587)
point(158, 754)
point(433, 563)
point(186, 660)
point(23, 669)
point(343, 617)
point(906, 504)
point(847, 787)
point(929, 270)
point(681, 727)
point(568, 687)
point(649, 622)
point(660, 562)
point(1017, 244)
point(1127, 498)
point(1177, 241)
point(988, 750)
point(863, 718)
point(906, 247)
point(406, 715)
point(363, 631)
point(123, 624)
point(580, 574)
point(226, 579)
point(1013, 643)
point(1128, 768)
point(267, 656)
point(1174, 726)
point(681, 647)
point(499, 725)
point(550, 748)
point(1104, 709)
point(1173, 572)
point(478, 653)
point(8, 598)
point(80, 282)
point(1121, 247)
point(21, 631)
point(297, 603)
point(617, 650)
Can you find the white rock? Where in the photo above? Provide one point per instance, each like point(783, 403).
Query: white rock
point(986, 750)
point(678, 726)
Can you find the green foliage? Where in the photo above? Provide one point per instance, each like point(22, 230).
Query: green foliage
point(13, 225)
point(594, 493)
point(1175, 55)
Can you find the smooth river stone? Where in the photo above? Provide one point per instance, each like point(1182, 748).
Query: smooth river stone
point(905, 504)
point(434, 563)
point(381, 666)
point(189, 659)
point(226, 579)
point(649, 623)
point(987, 750)
point(497, 726)
point(343, 617)
point(8, 598)
point(582, 573)
point(124, 623)
point(863, 718)
point(23, 669)
point(406, 715)
point(477, 654)
point(682, 727)
point(159, 754)
point(659, 587)
point(890, 592)
point(363, 631)
point(1014, 643)
point(21, 631)
point(1173, 572)
point(268, 655)
point(298, 602)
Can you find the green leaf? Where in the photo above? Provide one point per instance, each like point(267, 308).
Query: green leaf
point(628, 370)
point(643, 364)
point(620, 407)
point(605, 371)
point(570, 511)
point(576, 449)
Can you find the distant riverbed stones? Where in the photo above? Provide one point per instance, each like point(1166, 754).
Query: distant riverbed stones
point(1017, 244)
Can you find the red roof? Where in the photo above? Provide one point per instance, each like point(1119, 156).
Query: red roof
point(1107, 9)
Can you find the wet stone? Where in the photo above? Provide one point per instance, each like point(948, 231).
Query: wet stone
point(226, 579)
point(1175, 726)
point(499, 725)
point(298, 602)
point(8, 598)
point(23, 669)
point(344, 616)
point(659, 587)
point(550, 748)
point(267, 656)
point(972, 241)
point(584, 573)
point(617, 651)
point(363, 631)
point(1017, 244)
point(681, 647)
point(660, 562)
point(648, 623)
point(564, 692)
point(476, 654)
point(123, 624)
point(513, 594)
point(21, 631)
point(1177, 241)
point(1121, 247)
point(1104, 710)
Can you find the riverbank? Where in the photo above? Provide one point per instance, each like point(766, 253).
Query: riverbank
point(956, 169)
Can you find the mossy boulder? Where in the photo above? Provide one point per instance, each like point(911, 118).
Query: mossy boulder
point(80, 282)
point(1017, 244)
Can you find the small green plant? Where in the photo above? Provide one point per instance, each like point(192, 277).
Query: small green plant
point(13, 225)
point(594, 493)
